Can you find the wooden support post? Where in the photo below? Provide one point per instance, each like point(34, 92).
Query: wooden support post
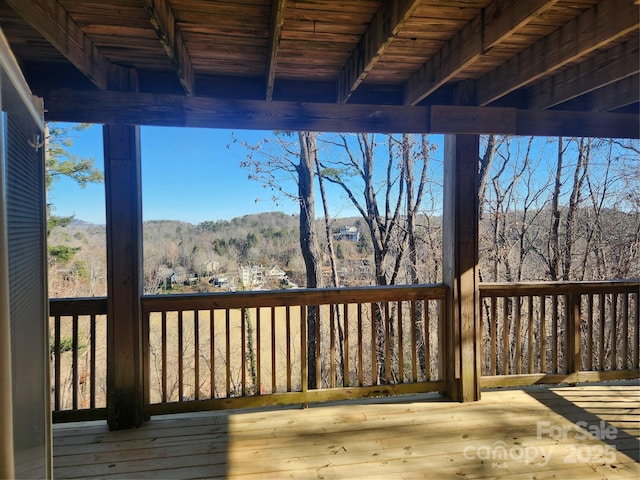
point(125, 403)
point(460, 267)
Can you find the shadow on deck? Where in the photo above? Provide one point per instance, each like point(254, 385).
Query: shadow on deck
point(538, 432)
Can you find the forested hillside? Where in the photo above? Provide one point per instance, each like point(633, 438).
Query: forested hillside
point(514, 249)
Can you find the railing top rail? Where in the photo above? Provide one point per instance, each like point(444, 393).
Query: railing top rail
point(559, 288)
point(282, 298)
point(78, 306)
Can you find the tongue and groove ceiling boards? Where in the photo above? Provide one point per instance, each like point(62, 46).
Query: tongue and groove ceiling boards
point(530, 66)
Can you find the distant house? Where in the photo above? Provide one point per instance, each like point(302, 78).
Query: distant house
point(276, 273)
point(252, 275)
point(351, 234)
point(219, 282)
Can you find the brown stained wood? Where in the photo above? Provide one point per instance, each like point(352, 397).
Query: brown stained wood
point(496, 23)
point(125, 353)
point(52, 22)
point(593, 29)
point(615, 95)
point(385, 25)
point(164, 23)
point(166, 110)
point(460, 265)
point(612, 65)
point(275, 36)
point(579, 57)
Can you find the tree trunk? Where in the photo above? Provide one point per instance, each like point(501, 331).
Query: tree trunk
point(308, 241)
point(334, 270)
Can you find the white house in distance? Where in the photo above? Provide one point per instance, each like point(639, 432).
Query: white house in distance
point(351, 234)
point(252, 275)
point(276, 273)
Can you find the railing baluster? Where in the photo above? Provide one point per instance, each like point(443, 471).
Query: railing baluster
point(387, 343)
point(518, 336)
point(573, 354)
point(636, 336)
point(228, 352)
point(288, 348)
point(374, 346)
point(360, 347)
point(531, 326)
point(164, 356)
point(332, 346)
point(92, 365)
point(426, 318)
point(427, 340)
point(346, 374)
point(493, 325)
point(400, 345)
point(625, 330)
point(180, 356)
point(414, 343)
point(212, 355)
point(274, 384)
point(554, 332)
point(543, 333)
point(57, 369)
point(318, 343)
point(602, 306)
point(505, 336)
point(74, 365)
point(243, 351)
point(258, 352)
point(304, 367)
point(196, 354)
point(614, 331)
point(590, 332)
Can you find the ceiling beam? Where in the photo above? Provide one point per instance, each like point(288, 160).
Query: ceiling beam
point(164, 23)
point(385, 25)
point(602, 24)
point(53, 22)
point(497, 22)
point(617, 95)
point(275, 35)
point(180, 111)
point(607, 67)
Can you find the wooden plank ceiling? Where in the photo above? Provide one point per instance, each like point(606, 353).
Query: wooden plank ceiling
point(537, 60)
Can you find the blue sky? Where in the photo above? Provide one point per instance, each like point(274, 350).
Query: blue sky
point(187, 174)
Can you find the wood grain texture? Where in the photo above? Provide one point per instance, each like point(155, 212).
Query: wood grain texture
point(392, 439)
point(52, 22)
point(164, 23)
point(596, 28)
point(175, 110)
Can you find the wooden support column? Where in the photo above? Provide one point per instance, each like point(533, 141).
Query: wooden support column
point(122, 155)
point(460, 266)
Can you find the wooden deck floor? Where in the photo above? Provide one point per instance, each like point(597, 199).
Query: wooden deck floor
point(527, 433)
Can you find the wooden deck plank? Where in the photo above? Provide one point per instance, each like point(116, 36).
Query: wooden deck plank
point(403, 438)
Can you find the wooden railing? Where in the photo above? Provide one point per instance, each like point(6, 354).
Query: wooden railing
point(78, 353)
point(559, 332)
point(214, 351)
point(257, 348)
